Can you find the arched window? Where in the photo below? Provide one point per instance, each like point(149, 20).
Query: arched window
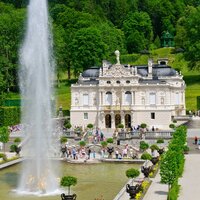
point(108, 100)
point(108, 82)
point(128, 98)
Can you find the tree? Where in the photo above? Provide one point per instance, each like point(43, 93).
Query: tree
point(11, 30)
point(87, 48)
point(168, 168)
point(68, 181)
point(138, 31)
point(4, 135)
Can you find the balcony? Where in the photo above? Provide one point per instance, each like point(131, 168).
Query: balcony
point(116, 108)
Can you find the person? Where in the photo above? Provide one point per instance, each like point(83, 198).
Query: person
point(153, 129)
point(89, 152)
point(116, 154)
point(195, 140)
point(74, 153)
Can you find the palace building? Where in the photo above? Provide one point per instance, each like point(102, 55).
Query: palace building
point(127, 94)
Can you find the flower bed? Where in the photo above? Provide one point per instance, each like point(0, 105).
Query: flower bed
point(145, 186)
point(154, 170)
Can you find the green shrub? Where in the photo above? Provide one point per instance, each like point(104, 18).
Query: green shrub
point(120, 126)
point(90, 126)
point(2, 155)
point(144, 145)
point(172, 126)
point(9, 116)
point(143, 125)
point(17, 140)
point(109, 140)
point(104, 143)
point(146, 156)
point(132, 173)
point(82, 143)
point(186, 148)
point(159, 141)
point(154, 147)
point(67, 125)
point(63, 139)
point(13, 147)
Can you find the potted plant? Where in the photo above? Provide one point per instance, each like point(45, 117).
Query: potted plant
point(172, 126)
point(109, 140)
point(82, 143)
point(143, 145)
point(132, 190)
point(68, 181)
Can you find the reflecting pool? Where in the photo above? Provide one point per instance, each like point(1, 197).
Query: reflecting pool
point(94, 180)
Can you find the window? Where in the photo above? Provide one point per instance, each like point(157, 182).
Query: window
point(152, 115)
point(143, 101)
point(118, 82)
point(127, 82)
point(152, 98)
point(128, 98)
point(162, 101)
point(108, 100)
point(85, 116)
point(177, 98)
point(108, 82)
point(85, 99)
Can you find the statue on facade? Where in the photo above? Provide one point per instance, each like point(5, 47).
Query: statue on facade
point(117, 53)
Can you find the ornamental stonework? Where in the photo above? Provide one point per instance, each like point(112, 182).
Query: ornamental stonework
point(117, 71)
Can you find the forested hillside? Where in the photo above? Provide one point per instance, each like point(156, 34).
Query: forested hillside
point(88, 31)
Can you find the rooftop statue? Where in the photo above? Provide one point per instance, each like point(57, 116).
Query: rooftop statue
point(117, 53)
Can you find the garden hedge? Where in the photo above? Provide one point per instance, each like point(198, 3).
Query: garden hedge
point(9, 115)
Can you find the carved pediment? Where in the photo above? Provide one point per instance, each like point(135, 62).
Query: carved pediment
point(117, 71)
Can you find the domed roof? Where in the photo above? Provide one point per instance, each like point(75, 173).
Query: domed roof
point(157, 71)
point(92, 72)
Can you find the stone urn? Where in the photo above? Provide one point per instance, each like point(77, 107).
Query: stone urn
point(133, 190)
point(110, 150)
point(146, 171)
point(68, 197)
point(161, 151)
point(154, 160)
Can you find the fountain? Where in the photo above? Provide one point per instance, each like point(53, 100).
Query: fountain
point(36, 76)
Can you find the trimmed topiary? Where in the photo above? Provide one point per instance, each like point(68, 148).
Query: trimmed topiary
point(144, 145)
point(63, 139)
point(109, 140)
point(82, 143)
point(90, 126)
point(146, 156)
point(159, 141)
point(68, 181)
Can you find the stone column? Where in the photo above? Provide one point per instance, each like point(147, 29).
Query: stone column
point(112, 119)
point(122, 118)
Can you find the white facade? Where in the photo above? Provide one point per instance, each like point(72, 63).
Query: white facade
point(130, 95)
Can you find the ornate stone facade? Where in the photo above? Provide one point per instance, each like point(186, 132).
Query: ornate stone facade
point(131, 95)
